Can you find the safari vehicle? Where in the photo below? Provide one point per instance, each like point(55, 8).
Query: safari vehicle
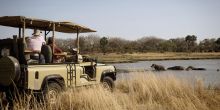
point(51, 77)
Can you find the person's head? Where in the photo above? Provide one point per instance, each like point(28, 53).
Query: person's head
point(36, 32)
point(50, 41)
point(74, 50)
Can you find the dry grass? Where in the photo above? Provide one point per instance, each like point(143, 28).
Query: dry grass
point(113, 57)
point(168, 93)
point(143, 91)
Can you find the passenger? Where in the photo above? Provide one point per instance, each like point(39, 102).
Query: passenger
point(34, 44)
point(56, 49)
point(56, 58)
point(77, 57)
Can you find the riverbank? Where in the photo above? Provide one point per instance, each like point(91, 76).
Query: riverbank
point(134, 57)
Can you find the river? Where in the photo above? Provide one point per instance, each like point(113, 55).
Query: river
point(210, 76)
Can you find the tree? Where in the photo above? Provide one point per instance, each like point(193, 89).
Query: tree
point(207, 45)
point(191, 42)
point(82, 44)
point(149, 44)
point(115, 44)
point(91, 43)
point(217, 42)
point(66, 44)
point(179, 44)
point(167, 46)
point(103, 44)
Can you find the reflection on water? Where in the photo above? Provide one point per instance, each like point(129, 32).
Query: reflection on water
point(210, 77)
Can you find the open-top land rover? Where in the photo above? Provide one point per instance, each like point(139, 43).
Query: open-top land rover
point(16, 69)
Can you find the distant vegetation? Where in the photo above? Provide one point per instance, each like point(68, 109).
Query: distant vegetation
point(97, 44)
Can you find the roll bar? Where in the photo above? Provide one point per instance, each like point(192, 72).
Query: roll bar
point(23, 22)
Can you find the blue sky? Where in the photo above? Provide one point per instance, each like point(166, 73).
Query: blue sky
point(129, 19)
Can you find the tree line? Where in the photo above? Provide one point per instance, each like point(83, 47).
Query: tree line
point(96, 44)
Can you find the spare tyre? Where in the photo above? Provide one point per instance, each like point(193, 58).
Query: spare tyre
point(9, 70)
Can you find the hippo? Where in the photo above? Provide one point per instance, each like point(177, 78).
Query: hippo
point(158, 67)
point(193, 68)
point(176, 68)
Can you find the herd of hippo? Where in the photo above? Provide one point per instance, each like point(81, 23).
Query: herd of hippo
point(161, 68)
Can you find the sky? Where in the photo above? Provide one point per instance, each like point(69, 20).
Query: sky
point(128, 19)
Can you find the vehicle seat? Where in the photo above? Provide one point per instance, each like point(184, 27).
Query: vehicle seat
point(46, 51)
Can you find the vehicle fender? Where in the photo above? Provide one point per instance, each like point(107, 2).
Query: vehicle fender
point(109, 73)
point(53, 78)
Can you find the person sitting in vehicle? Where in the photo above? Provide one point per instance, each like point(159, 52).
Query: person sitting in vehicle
point(34, 44)
point(76, 56)
point(57, 50)
point(50, 43)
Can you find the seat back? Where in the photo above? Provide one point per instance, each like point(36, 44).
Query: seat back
point(15, 47)
point(46, 51)
point(9, 46)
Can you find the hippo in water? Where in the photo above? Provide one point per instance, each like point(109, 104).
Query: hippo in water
point(193, 68)
point(176, 68)
point(158, 67)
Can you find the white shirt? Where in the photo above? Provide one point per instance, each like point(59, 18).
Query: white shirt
point(35, 43)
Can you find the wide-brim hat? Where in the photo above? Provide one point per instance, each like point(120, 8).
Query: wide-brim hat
point(36, 32)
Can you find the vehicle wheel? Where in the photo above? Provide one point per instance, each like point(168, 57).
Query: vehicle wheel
point(108, 83)
point(51, 92)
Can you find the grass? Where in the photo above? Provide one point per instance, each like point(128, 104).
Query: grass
point(117, 58)
point(143, 91)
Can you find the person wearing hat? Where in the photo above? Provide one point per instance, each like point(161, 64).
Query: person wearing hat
point(76, 56)
point(35, 43)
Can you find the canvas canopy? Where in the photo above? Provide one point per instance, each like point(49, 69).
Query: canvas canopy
point(32, 23)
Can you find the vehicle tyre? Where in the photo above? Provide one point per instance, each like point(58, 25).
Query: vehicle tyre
point(51, 92)
point(108, 83)
point(10, 70)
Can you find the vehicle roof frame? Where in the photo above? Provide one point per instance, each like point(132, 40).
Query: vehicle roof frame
point(24, 23)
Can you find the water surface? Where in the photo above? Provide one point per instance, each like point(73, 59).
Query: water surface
point(210, 77)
